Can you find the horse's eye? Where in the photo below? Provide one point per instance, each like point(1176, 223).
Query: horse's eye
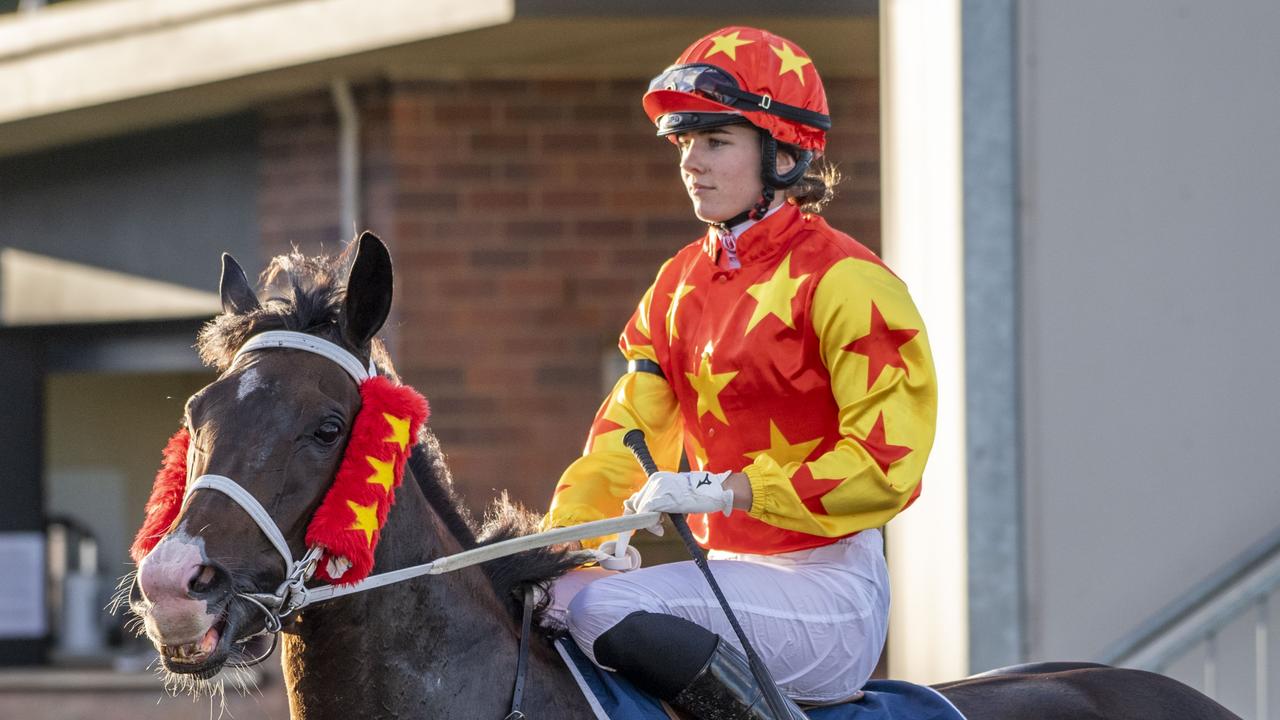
point(328, 432)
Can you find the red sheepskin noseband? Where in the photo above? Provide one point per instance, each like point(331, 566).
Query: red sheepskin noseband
point(350, 519)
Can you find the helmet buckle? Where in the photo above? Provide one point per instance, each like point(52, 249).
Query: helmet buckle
point(765, 102)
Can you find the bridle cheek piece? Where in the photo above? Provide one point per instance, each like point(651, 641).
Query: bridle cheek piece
point(344, 532)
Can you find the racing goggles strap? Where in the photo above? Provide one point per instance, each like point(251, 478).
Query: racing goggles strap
point(715, 84)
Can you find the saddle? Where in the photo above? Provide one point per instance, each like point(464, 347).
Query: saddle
point(612, 697)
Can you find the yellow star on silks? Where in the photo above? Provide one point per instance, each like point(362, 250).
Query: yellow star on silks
point(366, 519)
point(783, 451)
point(399, 430)
point(791, 62)
point(727, 44)
point(383, 473)
point(642, 317)
point(681, 291)
point(773, 296)
point(708, 385)
point(698, 455)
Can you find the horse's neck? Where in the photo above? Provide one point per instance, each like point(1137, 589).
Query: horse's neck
point(436, 646)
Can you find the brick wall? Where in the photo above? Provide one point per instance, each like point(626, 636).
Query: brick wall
point(526, 217)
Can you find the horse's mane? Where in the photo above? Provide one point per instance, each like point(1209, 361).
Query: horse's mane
point(305, 294)
point(503, 520)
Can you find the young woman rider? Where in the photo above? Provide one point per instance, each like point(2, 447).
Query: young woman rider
point(792, 369)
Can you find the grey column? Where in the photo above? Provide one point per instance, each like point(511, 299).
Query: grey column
point(996, 607)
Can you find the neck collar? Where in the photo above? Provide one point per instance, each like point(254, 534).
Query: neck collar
point(753, 240)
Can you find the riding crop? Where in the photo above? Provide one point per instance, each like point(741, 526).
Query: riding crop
point(634, 440)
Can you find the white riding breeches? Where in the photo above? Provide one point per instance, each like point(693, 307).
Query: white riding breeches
point(817, 617)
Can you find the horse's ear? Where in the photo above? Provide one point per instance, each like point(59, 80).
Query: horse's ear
point(237, 294)
point(368, 291)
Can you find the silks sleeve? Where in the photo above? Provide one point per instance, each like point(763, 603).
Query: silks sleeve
point(595, 485)
point(875, 348)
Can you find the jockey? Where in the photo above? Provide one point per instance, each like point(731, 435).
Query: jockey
point(791, 367)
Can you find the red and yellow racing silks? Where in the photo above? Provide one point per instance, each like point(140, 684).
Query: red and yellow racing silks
point(807, 368)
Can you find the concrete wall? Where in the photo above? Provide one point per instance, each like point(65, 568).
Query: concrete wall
point(1149, 168)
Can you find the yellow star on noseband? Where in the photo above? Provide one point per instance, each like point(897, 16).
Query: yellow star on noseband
point(383, 473)
point(399, 430)
point(791, 62)
point(708, 386)
point(366, 519)
point(727, 44)
point(773, 296)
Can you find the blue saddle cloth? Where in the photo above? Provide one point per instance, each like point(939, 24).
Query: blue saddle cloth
point(614, 698)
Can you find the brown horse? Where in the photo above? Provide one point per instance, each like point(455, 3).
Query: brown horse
point(438, 646)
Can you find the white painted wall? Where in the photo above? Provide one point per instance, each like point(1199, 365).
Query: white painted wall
point(1150, 172)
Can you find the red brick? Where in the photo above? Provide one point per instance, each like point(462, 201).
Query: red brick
point(492, 258)
point(605, 229)
point(489, 143)
point(571, 200)
point(535, 229)
point(473, 114)
point(561, 89)
point(541, 114)
point(486, 200)
point(571, 142)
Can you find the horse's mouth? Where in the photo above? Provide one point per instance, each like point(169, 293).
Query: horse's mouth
point(202, 658)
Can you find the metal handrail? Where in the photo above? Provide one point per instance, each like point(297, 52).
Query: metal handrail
point(1244, 583)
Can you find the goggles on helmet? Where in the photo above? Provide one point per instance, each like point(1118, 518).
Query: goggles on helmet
point(714, 83)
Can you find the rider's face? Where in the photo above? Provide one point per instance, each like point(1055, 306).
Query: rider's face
point(721, 170)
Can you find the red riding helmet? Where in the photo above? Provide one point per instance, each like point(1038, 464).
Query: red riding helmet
point(748, 73)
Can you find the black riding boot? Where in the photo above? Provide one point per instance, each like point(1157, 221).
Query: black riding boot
point(726, 689)
point(688, 666)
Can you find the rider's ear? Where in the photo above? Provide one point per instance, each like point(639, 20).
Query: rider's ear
point(786, 162)
point(237, 294)
point(368, 292)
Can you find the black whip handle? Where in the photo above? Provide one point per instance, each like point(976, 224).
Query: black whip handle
point(634, 440)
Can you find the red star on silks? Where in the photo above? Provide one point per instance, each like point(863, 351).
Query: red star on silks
point(812, 489)
point(879, 449)
point(882, 346)
point(604, 425)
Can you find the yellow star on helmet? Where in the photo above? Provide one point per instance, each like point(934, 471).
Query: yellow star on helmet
point(791, 62)
point(366, 519)
point(727, 44)
point(709, 385)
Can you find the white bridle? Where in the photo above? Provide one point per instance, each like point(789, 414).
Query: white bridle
point(293, 594)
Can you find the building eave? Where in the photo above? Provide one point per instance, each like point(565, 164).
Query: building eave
point(102, 67)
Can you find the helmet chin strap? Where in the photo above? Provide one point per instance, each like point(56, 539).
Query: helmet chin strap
point(773, 180)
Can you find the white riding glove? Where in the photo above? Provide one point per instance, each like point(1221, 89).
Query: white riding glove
point(682, 492)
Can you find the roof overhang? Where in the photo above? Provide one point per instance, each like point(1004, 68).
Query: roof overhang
point(95, 68)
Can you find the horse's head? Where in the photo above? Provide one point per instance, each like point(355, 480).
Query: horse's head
point(276, 422)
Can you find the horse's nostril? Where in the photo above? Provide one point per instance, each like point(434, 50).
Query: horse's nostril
point(204, 582)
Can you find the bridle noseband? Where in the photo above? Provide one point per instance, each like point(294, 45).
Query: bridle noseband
point(292, 594)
